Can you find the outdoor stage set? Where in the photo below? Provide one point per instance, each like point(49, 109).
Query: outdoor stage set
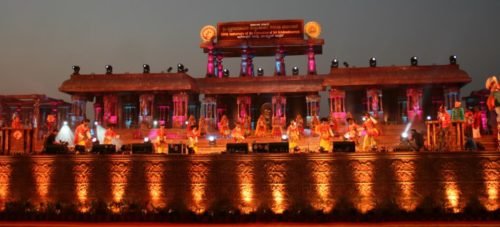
point(222, 176)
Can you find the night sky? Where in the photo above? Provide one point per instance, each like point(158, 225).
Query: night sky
point(41, 39)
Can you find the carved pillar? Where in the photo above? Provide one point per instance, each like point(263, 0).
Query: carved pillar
point(111, 108)
point(337, 104)
point(250, 70)
point(279, 69)
point(146, 103)
point(244, 56)
point(312, 107)
point(98, 112)
point(374, 102)
point(414, 106)
point(220, 67)
point(311, 61)
point(180, 109)
point(210, 63)
point(244, 103)
point(279, 110)
point(78, 108)
point(451, 95)
point(208, 111)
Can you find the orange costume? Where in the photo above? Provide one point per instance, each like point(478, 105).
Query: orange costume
point(82, 134)
point(109, 135)
point(224, 126)
point(261, 128)
point(193, 135)
point(161, 140)
point(371, 132)
point(325, 136)
point(293, 133)
point(237, 134)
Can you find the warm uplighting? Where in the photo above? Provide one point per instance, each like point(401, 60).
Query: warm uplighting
point(276, 174)
point(321, 174)
point(246, 184)
point(404, 173)
point(491, 200)
point(5, 173)
point(154, 178)
point(82, 176)
point(363, 173)
point(119, 177)
point(452, 192)
point(198, 181)
point(42, 171)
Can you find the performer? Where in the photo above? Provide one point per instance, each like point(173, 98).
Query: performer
point(444, 120)
point(261, 129)
point(293, 133)
point(51, 139)
point(224, 126)
point(476, 125)
point(238, 134)
point(352, 133)
point(315, 123)
point(457, 113)
point(300, 123)
point(161, 140)
point(493, 101)
point(190, 123)
point(193, 139)
point(109, 135)
point(325, 136)
point(16, 125)
point(247, 125)
point(82, 136)
point(203, 127)
point(371, 131)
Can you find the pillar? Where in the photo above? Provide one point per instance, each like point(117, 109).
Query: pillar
point(312, 107)
point(180, 101)
point(374, 102)
point(279, 110)
point(208, 111)
point(146, 103)
point(250, 69)
point(111, 107)
point(414, 103)
point(451, 95)
point(244, 103)
point(220, 67)
point(78, 107)
point(279, 69)
point(98, 112)
point(244, 56)
point(337, 104)
point(210, 63)
point(311, 61)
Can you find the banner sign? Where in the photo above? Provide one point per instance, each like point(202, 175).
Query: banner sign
point(274, 29)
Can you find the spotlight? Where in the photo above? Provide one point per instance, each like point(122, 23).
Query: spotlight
point(155, 123)
point(76, 69)
point(96, 123)
point(65, 123)
point(335, 63)
point(453, 60)
point(146, 140)
point(109, 69)
point(260, 72)
point(145, 68)
point(169, 69)
point(429, 118)
point(346, 64)
point(363, 118)
point(284, 138)
point(180, 68)
point(373, 62)
point(404, 135)
point(295, 71)
point(95, 141)
point(187, 122)
point(225, 72)
point(211, 140)
point(414, 61)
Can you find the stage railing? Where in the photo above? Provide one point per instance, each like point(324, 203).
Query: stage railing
point(455, 140)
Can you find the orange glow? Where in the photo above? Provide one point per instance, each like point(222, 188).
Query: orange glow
point(363, 176)
point(198, 177)
point(5, 171)
point(246, 185)
point(490, 178)
point(279, 204)
point(119, 175)
point(276, 174)
point(42, 171)
point(452, 193)
point(154, 177)
point(81, 173)
point(404, 172)
point(321, 174)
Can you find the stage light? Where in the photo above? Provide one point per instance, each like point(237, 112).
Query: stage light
point(260, 72)
point(186, 122)
point(96, 123)
point(363, 118)
point(186, 70)
point(414, 61)
point(346, 64)
point(335, 63)
point(169, 69)
point(453, 60)
point(95, 140)
point(429, 118)
point(225, 72)
point(145, 68)
point(180, 68)
point(347, 136)
point(373, 62)
point(211, 140)
point(146, 140)
point(404, 135)
point(155, 123)
point(76, 69)
point(284, 138)
point(295, 71)
point(65, 123)
point(109, 69)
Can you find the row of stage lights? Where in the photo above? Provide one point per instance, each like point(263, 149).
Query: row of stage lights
point(145, 69)
point(260, 71)
point(373, 62)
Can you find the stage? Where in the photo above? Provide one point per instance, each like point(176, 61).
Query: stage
point(363, 183)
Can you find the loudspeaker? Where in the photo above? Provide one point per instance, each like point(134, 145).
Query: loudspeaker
point(177, 148)
point(56, 149)
point(344, 146)
point(104, 148)
point(241, 148)
point(278, 147)
point(80, 149)
point(142, 148)
point(260, 148)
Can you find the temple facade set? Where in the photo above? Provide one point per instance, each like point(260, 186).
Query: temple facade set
point(393, 94)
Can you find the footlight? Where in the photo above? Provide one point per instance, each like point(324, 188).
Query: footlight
point(284, 138)
point(212, 140)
